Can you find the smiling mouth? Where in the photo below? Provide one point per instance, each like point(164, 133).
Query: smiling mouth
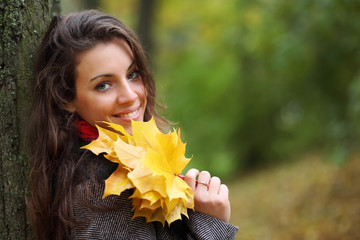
point(130, 114)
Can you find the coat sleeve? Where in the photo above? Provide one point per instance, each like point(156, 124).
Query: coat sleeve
point(117, 223)
point(112, 218)
point(203, 226)
point(93, 222)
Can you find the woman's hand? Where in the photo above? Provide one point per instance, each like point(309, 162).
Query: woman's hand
point(210, 196)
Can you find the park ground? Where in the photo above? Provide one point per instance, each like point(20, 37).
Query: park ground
point(309, 199)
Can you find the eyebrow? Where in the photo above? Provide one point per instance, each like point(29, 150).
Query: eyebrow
point(110, 75)
point(101, 75)
point(131, 65)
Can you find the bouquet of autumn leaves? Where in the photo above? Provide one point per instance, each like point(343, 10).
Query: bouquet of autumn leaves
point(150, 162)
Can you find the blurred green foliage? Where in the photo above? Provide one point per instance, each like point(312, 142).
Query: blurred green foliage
point(258, 82)
point(254, 82)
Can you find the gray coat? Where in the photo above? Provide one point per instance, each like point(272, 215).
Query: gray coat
point(118, 223)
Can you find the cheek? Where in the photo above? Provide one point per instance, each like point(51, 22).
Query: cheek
point(144, 91)
point(96, 104)
point(145, 97)
point(103, 104)
point(141, 91)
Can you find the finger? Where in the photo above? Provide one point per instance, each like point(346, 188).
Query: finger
point(190, 178)
point(203, 180)
point(224, 190)
point(214, 186)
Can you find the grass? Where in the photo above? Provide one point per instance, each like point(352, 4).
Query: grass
point(310, 199)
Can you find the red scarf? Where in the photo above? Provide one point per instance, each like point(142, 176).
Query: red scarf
point(86, 131)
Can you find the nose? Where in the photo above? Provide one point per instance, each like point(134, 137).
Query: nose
point(126, 93)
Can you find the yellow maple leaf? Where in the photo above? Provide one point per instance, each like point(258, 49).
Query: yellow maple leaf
point(150, 162)
point(117, 182)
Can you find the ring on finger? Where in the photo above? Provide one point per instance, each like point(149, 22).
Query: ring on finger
point(203, 183)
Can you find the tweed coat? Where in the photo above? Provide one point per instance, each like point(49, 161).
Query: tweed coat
point(117, 223)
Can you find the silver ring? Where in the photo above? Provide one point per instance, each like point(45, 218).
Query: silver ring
point(203, 183)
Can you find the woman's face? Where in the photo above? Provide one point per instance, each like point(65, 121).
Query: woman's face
point(108, 85)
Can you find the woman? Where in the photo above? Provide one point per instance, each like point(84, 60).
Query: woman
point(92, 68)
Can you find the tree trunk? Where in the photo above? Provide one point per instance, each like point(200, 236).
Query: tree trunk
point(22, 24)
point(144, 29)
point(90, 4)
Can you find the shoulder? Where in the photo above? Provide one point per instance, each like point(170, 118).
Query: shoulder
point(92, 165)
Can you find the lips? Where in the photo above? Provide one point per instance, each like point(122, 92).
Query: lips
point(129, 115)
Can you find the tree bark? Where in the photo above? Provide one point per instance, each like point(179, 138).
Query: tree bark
point(144, 29)
point(22, 24)
point(90, 4)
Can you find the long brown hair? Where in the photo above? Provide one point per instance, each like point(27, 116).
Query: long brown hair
point(54, 173)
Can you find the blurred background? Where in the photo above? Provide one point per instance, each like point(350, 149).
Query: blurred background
point(267, 96)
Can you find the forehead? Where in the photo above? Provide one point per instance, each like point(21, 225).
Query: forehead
point(119, 42)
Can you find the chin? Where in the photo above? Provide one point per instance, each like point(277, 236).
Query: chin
point(128, 129)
